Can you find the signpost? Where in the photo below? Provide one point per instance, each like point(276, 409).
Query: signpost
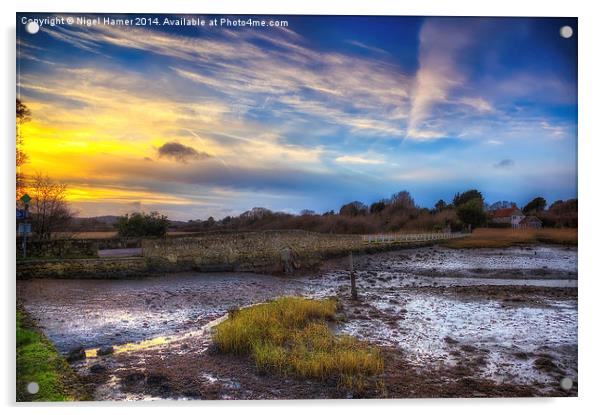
point(352, 278)
point(24, 227)
point(26, 199)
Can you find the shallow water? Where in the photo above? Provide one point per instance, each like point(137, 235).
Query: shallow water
point(94, 313)
point(518, 258)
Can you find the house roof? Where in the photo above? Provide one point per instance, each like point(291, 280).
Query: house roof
point(505, 212)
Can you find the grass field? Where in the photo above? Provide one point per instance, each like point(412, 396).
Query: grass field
point(503, 238)
point(39, 362)
point(290, 336)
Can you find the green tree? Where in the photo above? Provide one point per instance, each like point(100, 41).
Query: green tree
point(536, 205)
point(472, 212)
point(142, 224)
point(461, 198)
point(470, 207)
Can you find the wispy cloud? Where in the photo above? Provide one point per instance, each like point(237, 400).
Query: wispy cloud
point(370, 48)
point(441, 41)
point(357, 160)
point(340, 85)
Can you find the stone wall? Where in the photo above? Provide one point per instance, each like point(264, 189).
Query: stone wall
point(84, 268)
point(73, 248)
point(265, 251)
point(262, 252)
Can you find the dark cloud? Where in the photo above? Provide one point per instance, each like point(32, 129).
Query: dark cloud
point(504, 164)
point(180, 152)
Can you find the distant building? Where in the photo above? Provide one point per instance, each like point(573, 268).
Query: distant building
point(530, 222)
point(507, 216)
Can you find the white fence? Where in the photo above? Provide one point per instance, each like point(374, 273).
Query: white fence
point(408, 237)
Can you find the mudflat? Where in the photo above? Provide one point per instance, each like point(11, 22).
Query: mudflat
point(450, 322)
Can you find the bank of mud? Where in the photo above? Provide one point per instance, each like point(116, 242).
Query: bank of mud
point(451, 323)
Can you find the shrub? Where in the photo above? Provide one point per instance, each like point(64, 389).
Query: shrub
point(142, 224)
point(290, 336)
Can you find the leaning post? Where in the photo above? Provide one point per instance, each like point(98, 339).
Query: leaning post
point(352, 278)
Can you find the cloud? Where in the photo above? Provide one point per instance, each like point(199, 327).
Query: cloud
point(441, 41)
point(477, 103)
point(361, 94)
point(180, 152)
point(555, 130)
point(358, 160)
point(504, 164)
point(442, 93)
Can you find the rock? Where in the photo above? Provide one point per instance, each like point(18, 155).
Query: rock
point(103, 351)
point(76, 354)
point(98, 368)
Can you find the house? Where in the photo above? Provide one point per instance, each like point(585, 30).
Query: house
point(510, 216)
point(530, 222)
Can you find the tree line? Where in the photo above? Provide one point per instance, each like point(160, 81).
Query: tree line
point(467, 210)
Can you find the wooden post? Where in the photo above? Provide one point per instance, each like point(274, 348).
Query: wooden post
point(352, 277)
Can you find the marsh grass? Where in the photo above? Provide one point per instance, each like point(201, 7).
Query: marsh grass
point(290, 336)
point(504, 238)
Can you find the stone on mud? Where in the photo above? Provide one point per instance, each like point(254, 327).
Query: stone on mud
point(76, 354)
point(103, 351)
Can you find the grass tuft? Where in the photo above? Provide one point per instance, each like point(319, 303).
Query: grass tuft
point(290, 336)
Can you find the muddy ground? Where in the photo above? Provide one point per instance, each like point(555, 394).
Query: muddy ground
point(451, 323)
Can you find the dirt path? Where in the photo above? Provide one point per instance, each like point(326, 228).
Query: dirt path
point(451, 323)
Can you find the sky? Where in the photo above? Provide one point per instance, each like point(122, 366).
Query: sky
point(212, 121)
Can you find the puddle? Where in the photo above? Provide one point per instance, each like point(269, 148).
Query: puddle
point(158, 341)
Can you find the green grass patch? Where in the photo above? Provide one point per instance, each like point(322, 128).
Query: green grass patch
point(38, 361)
point(290, 336)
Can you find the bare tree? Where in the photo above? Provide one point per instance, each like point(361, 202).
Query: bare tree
point(23, 116)
point(49, 210)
